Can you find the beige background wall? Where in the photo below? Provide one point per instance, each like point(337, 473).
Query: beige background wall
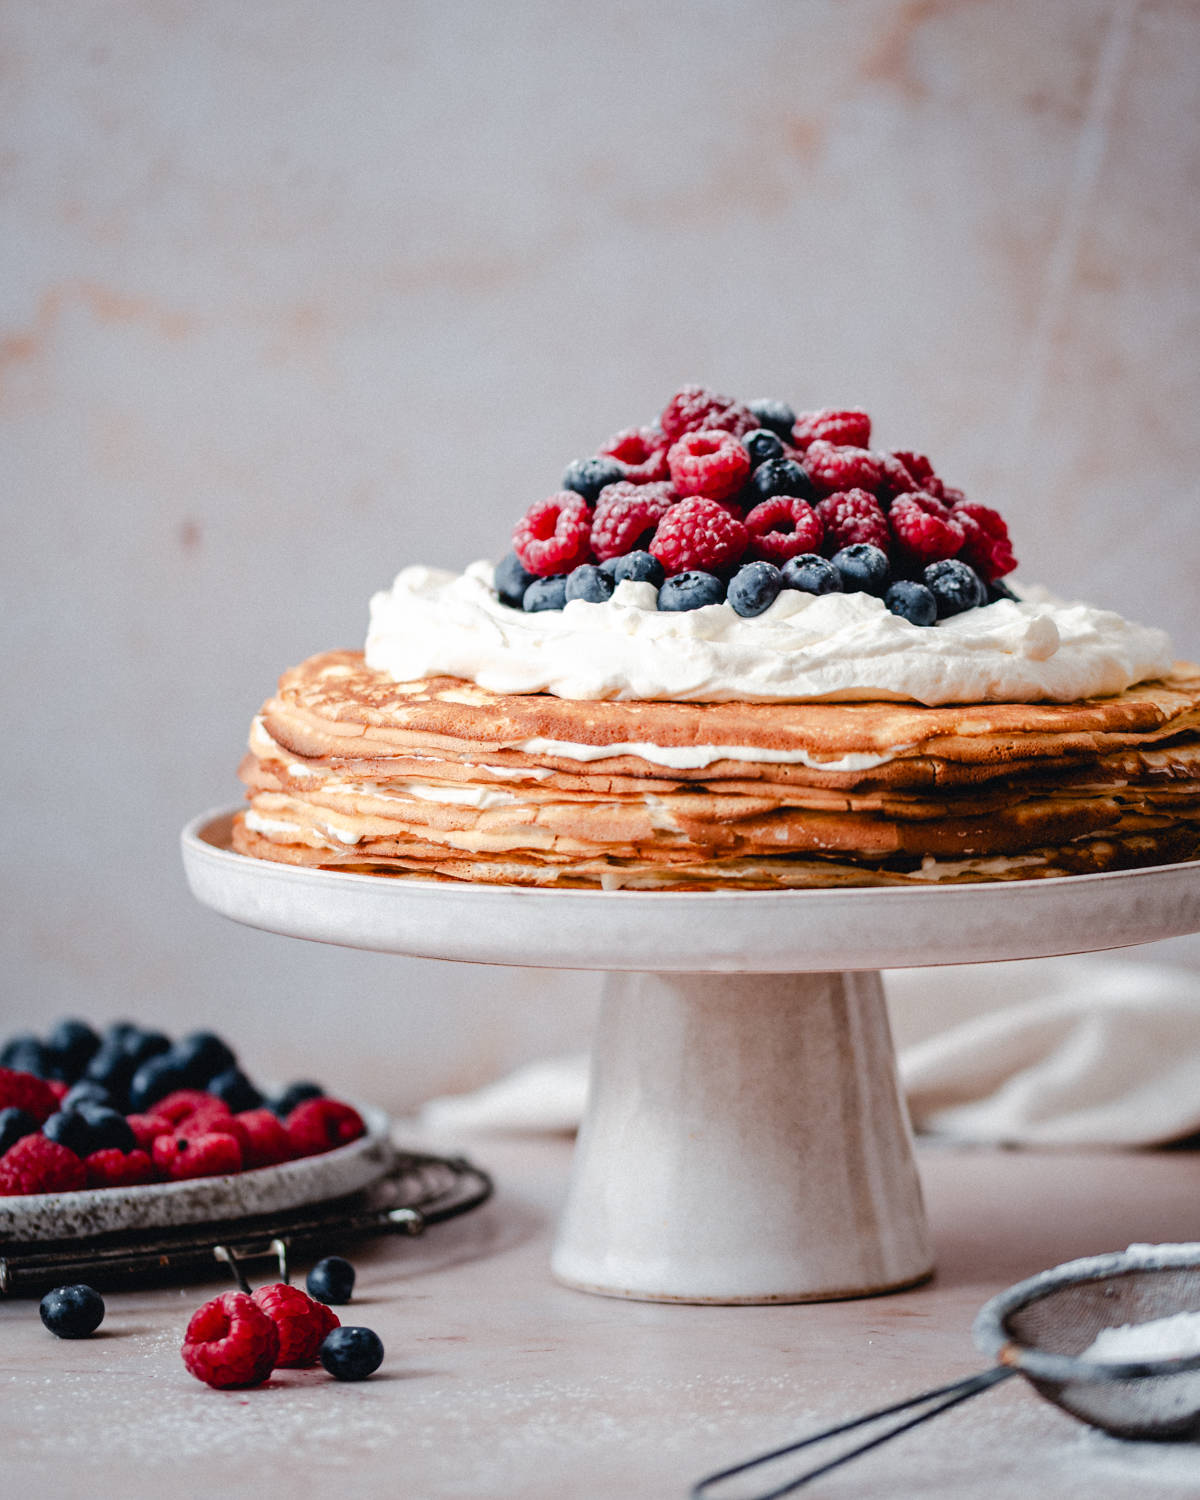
point(296, 293)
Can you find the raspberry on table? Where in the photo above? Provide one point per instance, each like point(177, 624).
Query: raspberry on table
point(986, 546)
point(321, 1125)
point(693, 407)
point(301, 1322)
point(783, 527)
point(36, 1165)
point(19, 1090)
point(265, 1140)
point(847, 426)
point(626, 516)
point(923, 529)
point(182, 1157)
point(850, 517)
point(699, 534)
point(835, 469)
point(708, 462)
point(230, 1341)
point(553, 536)
point(642, 453)
point(112, 1167)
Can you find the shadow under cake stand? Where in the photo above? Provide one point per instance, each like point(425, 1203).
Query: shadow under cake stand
point(745, 1138)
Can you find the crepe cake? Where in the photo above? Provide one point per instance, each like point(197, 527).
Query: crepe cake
point(444, 779)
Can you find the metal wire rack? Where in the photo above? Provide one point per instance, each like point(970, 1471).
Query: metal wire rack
point(417, 1191)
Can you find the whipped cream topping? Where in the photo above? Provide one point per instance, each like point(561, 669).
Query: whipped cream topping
point(831, 648)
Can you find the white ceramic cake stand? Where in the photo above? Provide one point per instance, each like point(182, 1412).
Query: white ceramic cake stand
point(745, 1137)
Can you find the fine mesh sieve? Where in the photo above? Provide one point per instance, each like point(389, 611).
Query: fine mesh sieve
point(1040, 1328)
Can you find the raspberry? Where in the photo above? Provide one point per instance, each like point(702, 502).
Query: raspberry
point(115, 1168)
point(850, 517)
point(36, 1165)
point(918, 466)
point(321, 1124)
point(836, 469)
point(180, 1157)
point(693, 407)
point(26, 1091)
point(783, 527)
point(183, 1102)
point(552, 536)
point(643, 452)
point(266, 1140)
point(59, 1088)
point(845, 427)
point(230, 1341)
point(710, 463)
point(626, 516)
point(699, 534)
point(300, 1321)
point(923, 528)
point(147, 1128)
point(210, 1119)
point(894, 478)
point(987, 547)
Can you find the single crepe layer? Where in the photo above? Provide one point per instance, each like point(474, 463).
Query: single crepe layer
point(443, 779)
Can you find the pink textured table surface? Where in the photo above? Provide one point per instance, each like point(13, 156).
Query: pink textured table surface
point(498, 1382)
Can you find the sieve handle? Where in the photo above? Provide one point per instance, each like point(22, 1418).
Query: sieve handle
point(934, 1402)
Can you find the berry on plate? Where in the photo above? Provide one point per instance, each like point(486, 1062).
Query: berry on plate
point(321, 1125)
point(36, 1165)
point(210, 1154)
point(19, 1090)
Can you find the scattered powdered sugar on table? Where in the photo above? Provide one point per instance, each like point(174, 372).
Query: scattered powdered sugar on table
point(1160, 1338)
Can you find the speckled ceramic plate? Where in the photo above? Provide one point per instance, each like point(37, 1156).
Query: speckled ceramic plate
point(57, 1216)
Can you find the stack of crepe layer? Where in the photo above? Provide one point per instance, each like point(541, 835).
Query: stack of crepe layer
point(445, 780)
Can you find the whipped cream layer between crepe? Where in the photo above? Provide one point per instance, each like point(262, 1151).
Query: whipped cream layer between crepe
point(804, 648)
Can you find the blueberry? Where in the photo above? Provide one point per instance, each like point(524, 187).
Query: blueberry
point(754, 588)
point(912, 602)
point(236, 1090)
point(779, 476)
point(113, 1064)
point(864, 569)
point(690, 591)
point(15, 1123)
point(811, 573)
point(762, 444)
point(546, 593)
point(72, 1312)
point(67, 1127)
point(955, 586)
point(511, 579)
point(155, 1079)
point(589, 583)
point(25, 1054)
point(296, 1093)
point(777, 415)
point(146, 1044)
point(331, 1280)
point(638, 567)
point(998, 589)
point(202, 1055)
point(72, 1045)
point(87, 1088)
point(106, 1129)
point(588, 476)
point(351, 1353)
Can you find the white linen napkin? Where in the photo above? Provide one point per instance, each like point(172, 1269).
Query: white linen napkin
point(1054, 1052)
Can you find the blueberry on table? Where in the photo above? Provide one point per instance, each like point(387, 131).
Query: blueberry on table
point(691, 590)
point(351, 1353)
point(295, 1093)
point(546, 593)
point(588, 476)
point(762, 444)
point(780, 476)
point(777, 415)
point(589, 583)
point(233, 1088)
point(14, 1124)
point(754, 588)
point(955, 585)
point(864, 568)
point(637, 567)
point(810, 573)
point(72, 1312)
point(331, 1280)
point(912, 602)
point(510, 580)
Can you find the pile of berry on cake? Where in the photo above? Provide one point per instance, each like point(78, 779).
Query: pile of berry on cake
point(721, 500)
point(127, 1107)
point(739, 647)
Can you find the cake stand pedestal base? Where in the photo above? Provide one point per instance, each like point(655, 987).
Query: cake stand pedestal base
point(745, 1141)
